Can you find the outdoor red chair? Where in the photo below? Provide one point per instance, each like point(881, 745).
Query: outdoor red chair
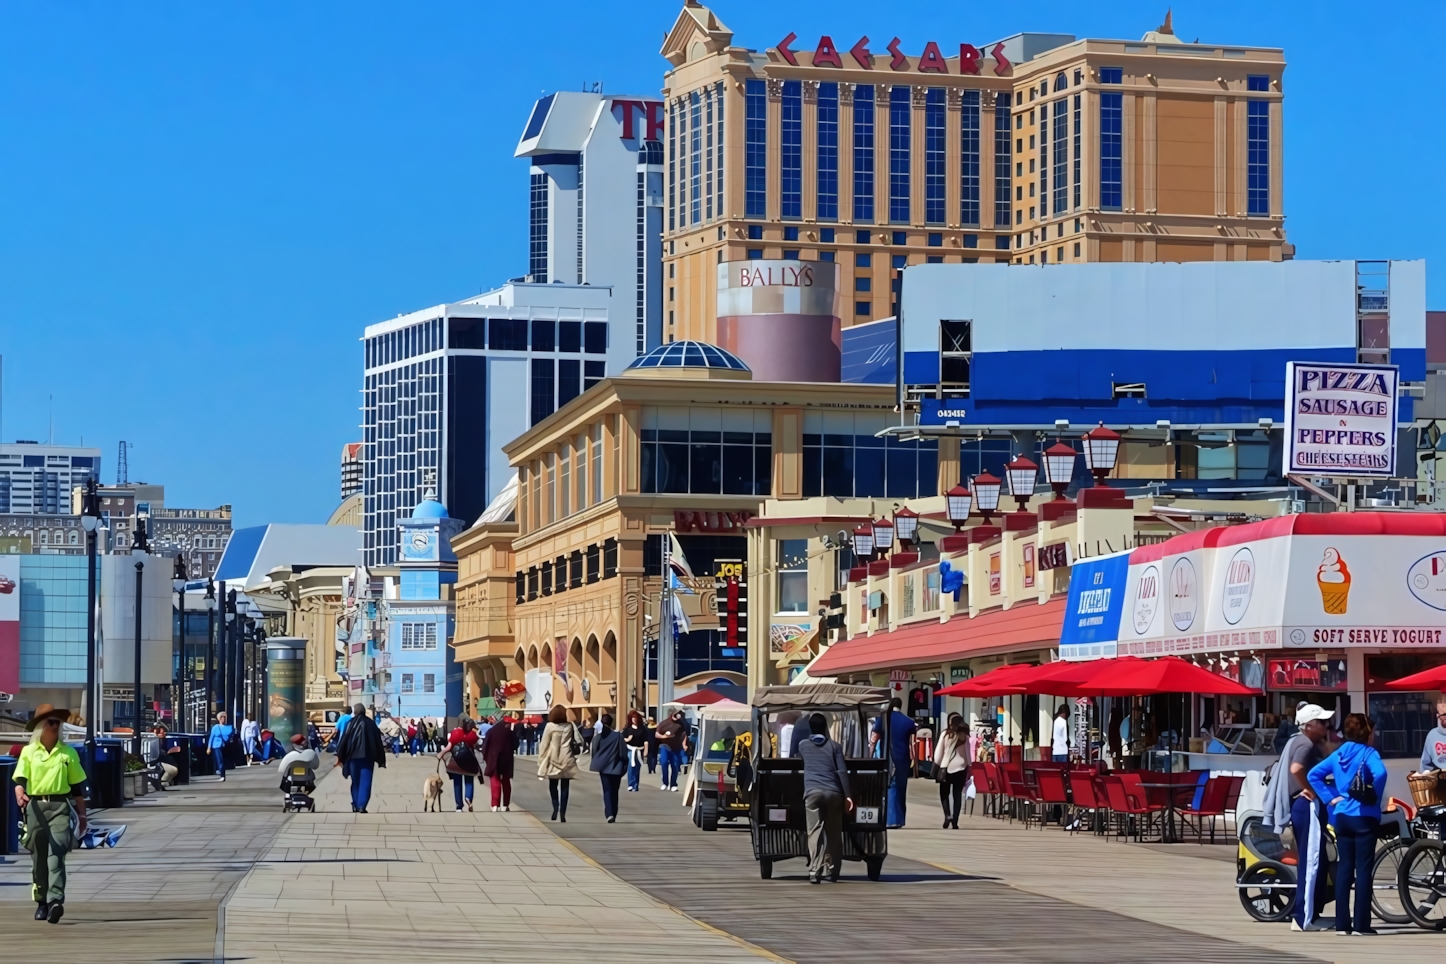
point(986, 780)
point(1021, 797)
point(1082, 793)
point(1127, 805)
point(1212, 805)
point(1052, 793)
point(1232, 798)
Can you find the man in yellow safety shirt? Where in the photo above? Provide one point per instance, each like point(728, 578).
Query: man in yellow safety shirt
point(49, 787)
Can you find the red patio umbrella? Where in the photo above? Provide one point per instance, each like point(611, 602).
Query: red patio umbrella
point(1168, 674)
point(700, 698)
point(1429, 679)
point(996, 682)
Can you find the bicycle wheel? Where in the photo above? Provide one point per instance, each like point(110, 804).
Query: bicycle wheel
point(1267, 891)
point(1422, 884)
point(1385, 890)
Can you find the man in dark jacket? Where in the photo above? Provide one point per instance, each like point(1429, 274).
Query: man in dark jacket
point(825, 798)
point(359, 751)
point(610, 761)
point(672, 733)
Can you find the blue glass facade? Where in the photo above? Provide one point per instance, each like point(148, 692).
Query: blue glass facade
point(53, 596)
point(790, 158)
point(864, 153)
point(900, 143)
point(755, 149)
point(828, 152)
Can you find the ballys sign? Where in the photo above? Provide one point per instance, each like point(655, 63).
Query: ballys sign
point(826, 54)
point(788, 277)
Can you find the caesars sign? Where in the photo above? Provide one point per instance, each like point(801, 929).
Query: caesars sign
point(1340, 420)
point(1294, 581)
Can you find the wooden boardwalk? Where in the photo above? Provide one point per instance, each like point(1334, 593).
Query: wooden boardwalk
point(917, 912)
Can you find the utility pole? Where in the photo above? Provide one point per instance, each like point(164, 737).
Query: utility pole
point(90, 519)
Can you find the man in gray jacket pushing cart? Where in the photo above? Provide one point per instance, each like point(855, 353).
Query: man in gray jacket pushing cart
point(825, 798)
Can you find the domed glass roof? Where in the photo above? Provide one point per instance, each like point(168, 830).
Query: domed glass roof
point(689, 354)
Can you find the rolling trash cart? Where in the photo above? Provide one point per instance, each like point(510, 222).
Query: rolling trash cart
point(778, 820)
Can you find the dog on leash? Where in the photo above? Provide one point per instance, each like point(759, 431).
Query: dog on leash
point(432, 793)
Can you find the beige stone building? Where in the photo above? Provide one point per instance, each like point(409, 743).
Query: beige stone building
point(1039, 148)
point(564, 602)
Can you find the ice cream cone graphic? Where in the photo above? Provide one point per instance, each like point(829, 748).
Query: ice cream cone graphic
point(1334, 580)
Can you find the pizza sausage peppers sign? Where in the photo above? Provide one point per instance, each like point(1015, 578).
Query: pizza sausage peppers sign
point(1341, 420)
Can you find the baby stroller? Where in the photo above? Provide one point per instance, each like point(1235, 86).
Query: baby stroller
point(297, 785)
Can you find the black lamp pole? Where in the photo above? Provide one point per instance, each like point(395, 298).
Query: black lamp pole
point(142, 547)
point(90, 519)
point(210, 654)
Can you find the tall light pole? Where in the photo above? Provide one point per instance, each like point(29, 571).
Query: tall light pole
point(180, 687)
point(90, 520)
point(140, 545)
point(210, 653)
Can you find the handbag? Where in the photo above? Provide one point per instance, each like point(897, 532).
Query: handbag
point(1362, 790)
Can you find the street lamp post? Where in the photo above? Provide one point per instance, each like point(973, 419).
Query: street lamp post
point(1022, 472)
point(1101, 447)
point(210, 653)
point(957, 503)
point(1059, 467)
point(90, 519)
point(986, 495)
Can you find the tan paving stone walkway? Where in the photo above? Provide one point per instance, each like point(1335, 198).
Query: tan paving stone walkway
point(445, 887)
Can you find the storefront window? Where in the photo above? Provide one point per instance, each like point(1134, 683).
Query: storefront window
point(792, 576)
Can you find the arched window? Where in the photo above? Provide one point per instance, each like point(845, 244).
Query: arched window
point(44, 537)
point(1060, 83)
point(74, 537)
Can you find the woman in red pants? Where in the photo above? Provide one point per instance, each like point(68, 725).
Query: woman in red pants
point(499, 750)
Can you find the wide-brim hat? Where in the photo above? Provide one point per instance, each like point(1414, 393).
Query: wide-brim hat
point(45, 712)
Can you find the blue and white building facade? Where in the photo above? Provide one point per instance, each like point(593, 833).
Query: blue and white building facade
point(444, 388)
point(414, 674)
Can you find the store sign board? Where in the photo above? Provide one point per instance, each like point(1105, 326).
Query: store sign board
point(1096, 601)
point(1340, 420)
point(1288, 591)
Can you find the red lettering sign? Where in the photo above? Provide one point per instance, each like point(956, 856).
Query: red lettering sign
point(710, 521)
point(652, 110)
point(969, 57)
point(826, 55)
point(900, 62)
point(931, 61)
point(783, 50)
point(1001, 63)
point(860, 53)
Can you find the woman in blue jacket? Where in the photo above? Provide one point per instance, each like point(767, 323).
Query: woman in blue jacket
point(1353, 782)
point(221, 734)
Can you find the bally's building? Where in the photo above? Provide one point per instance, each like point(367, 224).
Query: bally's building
point(1033, 149)
point(447, 386)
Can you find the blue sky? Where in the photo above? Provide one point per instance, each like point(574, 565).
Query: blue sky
point(202, 204)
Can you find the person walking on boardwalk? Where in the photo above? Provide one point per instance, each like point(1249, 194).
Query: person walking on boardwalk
point(635, 738)
point(825, 798)
point(499, 756)
point(250, 737)
point(462, 765)
point(50, 791)
point(901, 752)
point(222, 733)
point(672, 734)
point(609, 761)
point(557, 759)
point(359, 751)
point(951, 768)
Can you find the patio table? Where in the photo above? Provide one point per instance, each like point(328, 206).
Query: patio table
point(1168, 793)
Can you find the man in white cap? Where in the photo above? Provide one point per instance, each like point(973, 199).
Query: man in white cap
point(1307, 816)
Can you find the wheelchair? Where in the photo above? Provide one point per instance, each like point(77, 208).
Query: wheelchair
point(297, 785)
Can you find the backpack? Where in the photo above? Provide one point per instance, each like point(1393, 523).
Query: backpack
point(465, 758)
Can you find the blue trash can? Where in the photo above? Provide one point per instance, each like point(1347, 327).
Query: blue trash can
point(9, 813)
point(107, 776)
